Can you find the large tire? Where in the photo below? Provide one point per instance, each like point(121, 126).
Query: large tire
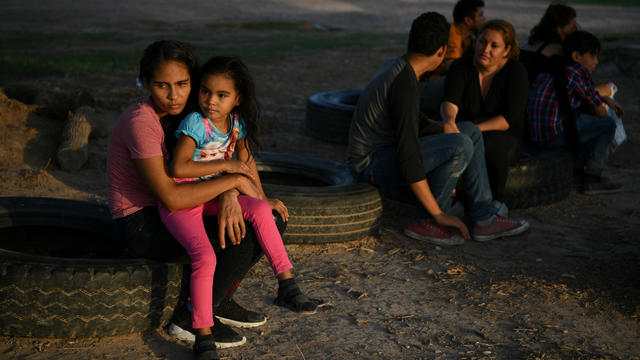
point(325, 203)
point(539, 178)
point(329, 114)
point(59, 276)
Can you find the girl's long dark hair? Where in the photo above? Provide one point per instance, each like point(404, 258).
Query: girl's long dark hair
point(155, 55)
point(243, 82)
point(547, 29)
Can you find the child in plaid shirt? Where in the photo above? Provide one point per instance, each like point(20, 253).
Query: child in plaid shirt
point(591, 117)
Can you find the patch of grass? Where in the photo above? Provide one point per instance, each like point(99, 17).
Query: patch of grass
point(14, 63)
point(259, 26)
point(275, 44)
point(621, 36)
point(31, 40)
point(36, 54)
point(631, 3)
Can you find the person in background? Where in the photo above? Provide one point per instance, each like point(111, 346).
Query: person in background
point(596, 119)
point(489, 88)
point(386, 147)
point(468, 17)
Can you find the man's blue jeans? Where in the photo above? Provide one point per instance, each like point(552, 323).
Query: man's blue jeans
point(446, 157)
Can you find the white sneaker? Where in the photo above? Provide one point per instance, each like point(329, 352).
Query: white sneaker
point(180, 334)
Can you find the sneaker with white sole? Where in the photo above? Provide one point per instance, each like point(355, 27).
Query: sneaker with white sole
point(429, 230)
point(223, 335)
point(499, 228)
point(229, 312)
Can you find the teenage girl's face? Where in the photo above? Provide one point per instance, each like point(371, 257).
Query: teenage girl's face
point(170, 87)
point(563, 31)
point(217, 97)
point(491, 50)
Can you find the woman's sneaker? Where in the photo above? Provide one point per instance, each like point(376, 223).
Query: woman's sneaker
point(429, 230)
point(500, 227)
point(229, 312)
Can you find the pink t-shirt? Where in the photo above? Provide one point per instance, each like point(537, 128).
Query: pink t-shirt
point(137, 135)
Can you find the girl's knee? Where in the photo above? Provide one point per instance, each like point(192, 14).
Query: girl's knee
point(203, 261)
point(257, 208)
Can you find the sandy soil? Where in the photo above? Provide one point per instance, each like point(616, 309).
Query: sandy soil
point(567, 289)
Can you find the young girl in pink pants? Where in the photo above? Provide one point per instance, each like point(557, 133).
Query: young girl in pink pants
point(206, 143)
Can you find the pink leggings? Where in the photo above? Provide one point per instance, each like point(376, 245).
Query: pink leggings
point(188, 228)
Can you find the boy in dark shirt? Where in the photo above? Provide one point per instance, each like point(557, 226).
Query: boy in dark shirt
point(386, 147)
point(594, 119)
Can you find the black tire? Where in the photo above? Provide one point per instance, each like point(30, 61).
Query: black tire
point(539, 178)
point(60, 276)
point(329, 114)
point(325, 203)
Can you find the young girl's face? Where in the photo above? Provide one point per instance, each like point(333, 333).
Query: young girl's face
point(170, 87)
point(217, 97)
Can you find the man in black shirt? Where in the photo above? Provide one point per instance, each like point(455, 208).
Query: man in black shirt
point(386, 146)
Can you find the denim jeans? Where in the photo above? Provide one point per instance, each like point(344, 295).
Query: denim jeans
point(446, 157)
point(596, 136)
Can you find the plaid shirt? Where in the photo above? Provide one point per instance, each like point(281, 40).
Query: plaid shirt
point(543, 110)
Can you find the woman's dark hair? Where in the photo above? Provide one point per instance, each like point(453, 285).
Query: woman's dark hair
point(157, 54)
point(167, 50)
point(581, 41)
point(243, 82)
point(556, 15)
point(429, 32)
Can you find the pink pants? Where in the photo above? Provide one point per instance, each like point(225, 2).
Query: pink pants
point(188, 228)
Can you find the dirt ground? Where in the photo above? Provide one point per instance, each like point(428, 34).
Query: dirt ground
point(567, 289)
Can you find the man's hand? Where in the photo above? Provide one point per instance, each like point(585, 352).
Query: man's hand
point(452, 221)
point(230, 220)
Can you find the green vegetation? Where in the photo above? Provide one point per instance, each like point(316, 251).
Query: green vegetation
point(84, 54)
point(635, 3)
point(620, 36)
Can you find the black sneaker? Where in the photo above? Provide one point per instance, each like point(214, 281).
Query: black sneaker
point(595, 184)
point(204, 348)
point(229, 312)
point(225, 337)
